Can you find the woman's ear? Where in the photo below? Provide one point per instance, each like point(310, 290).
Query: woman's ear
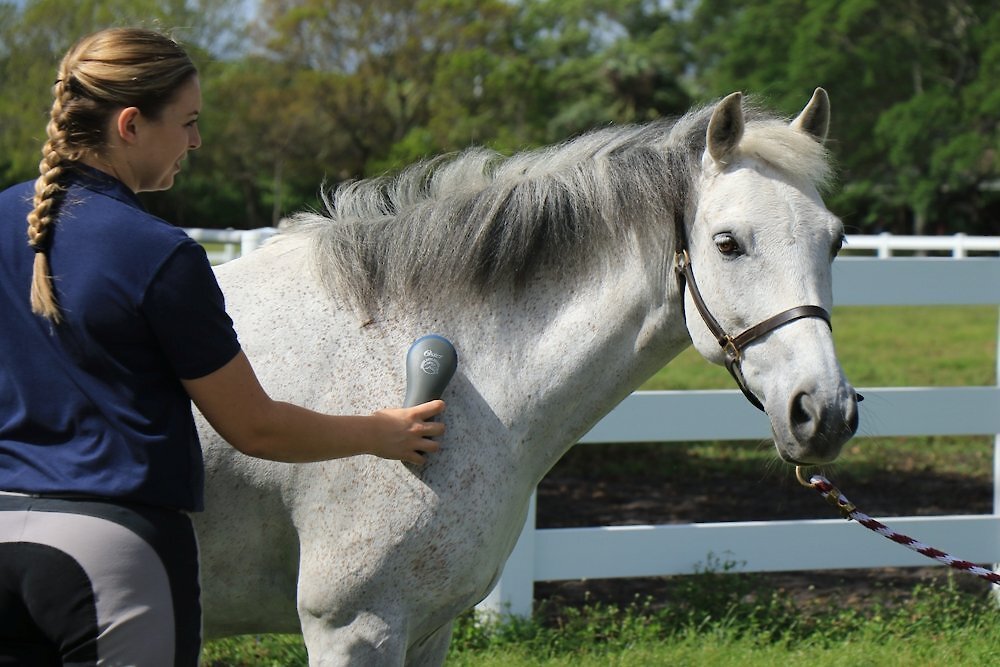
point(126, 123)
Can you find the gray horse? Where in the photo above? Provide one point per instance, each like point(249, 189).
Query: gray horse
point(553, 272)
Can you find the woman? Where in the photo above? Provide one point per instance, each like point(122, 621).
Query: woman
point(125, 326)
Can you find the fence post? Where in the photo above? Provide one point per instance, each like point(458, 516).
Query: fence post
point(958, 251)
point(251, 239)
point(996, 468)
point(514, 592)
point(230, 252)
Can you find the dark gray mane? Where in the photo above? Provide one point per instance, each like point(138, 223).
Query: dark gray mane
point(477, 220)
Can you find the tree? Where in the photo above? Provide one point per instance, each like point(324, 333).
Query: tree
point(376, 68)
point(328, 90)
point(404, 80)
point(263, 145)
point(942, 141)
point(911, 111)
point(603, 61)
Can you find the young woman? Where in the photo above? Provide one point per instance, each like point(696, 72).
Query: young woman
point(112, 324)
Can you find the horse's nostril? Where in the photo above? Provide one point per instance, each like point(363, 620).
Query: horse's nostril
point(854, 415)
point(802, 413)
point(809, 420)
point(819, 429)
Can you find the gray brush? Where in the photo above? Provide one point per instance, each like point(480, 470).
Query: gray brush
point(430, 364)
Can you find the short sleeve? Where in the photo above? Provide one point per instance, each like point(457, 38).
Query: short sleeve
point(187, 312)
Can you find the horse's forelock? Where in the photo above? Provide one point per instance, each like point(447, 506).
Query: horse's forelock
point(791, 151)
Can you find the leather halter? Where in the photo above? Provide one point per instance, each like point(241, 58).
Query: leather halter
point(733, 346)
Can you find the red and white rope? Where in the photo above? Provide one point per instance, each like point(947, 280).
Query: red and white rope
point(849, 511)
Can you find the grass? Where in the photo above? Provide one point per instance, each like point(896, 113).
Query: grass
point(720, 618)
point(717, 619)
point(255, 651)
point(897, 346)
point(719, 622)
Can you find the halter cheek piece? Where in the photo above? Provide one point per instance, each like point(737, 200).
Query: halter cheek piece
point(733, 346)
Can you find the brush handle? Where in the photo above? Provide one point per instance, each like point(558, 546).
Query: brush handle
point(430, 364)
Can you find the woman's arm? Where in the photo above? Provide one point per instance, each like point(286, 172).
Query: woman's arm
point(236, 406)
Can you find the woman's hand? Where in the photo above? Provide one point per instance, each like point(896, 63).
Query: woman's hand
point(403, 433)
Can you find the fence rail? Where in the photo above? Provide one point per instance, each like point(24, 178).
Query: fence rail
point(959, 245)
point(761, 546)
point(770, 546)
point(235, 242)
point(224, 245)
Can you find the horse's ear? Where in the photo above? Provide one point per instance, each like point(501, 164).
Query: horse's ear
point(815, 118)
point(726, 127)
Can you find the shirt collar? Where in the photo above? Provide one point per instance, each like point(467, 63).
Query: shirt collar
point(104, 183)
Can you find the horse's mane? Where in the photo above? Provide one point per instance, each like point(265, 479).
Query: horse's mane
point(478, 220)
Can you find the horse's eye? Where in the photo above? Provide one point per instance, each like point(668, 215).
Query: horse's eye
point(838, 244)
point(727, 245)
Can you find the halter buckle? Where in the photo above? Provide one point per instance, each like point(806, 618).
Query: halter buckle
point(681, 261)
point(730, 349)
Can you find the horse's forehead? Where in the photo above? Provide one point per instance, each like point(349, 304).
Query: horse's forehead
point(766, 199)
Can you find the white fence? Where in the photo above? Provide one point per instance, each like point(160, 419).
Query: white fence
point(959, 246)
point(226, 244)
point(235, 242)
point(772, 546)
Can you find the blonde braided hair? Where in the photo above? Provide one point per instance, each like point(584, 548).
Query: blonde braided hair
point(102, 73)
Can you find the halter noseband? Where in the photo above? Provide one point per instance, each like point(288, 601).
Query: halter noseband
point(733, 346)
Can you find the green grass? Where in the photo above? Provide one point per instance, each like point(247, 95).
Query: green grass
point(723, 619)
point(899, 346)
point(718, 623)
point(716, 619)
point(255, 651)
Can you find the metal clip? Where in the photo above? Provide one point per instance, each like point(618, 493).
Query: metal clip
point(731, 351)
point(681, 261)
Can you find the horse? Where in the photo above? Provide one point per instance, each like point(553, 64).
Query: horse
point(565, 277)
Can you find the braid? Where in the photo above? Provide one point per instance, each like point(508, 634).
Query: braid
point(48, 196)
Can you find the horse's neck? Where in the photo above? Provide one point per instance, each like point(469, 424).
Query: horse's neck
point(555, 360)
point(548, 362)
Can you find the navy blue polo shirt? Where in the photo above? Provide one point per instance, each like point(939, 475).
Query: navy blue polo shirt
point(94, 405)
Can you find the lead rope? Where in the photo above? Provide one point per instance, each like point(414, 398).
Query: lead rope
point(849, 511)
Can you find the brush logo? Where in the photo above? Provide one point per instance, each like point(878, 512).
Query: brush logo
point(431, 363)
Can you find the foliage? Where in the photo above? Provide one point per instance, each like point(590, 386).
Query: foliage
point(914, 124)
point(306, 92)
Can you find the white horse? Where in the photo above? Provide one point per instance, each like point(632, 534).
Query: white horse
point(553, 272)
